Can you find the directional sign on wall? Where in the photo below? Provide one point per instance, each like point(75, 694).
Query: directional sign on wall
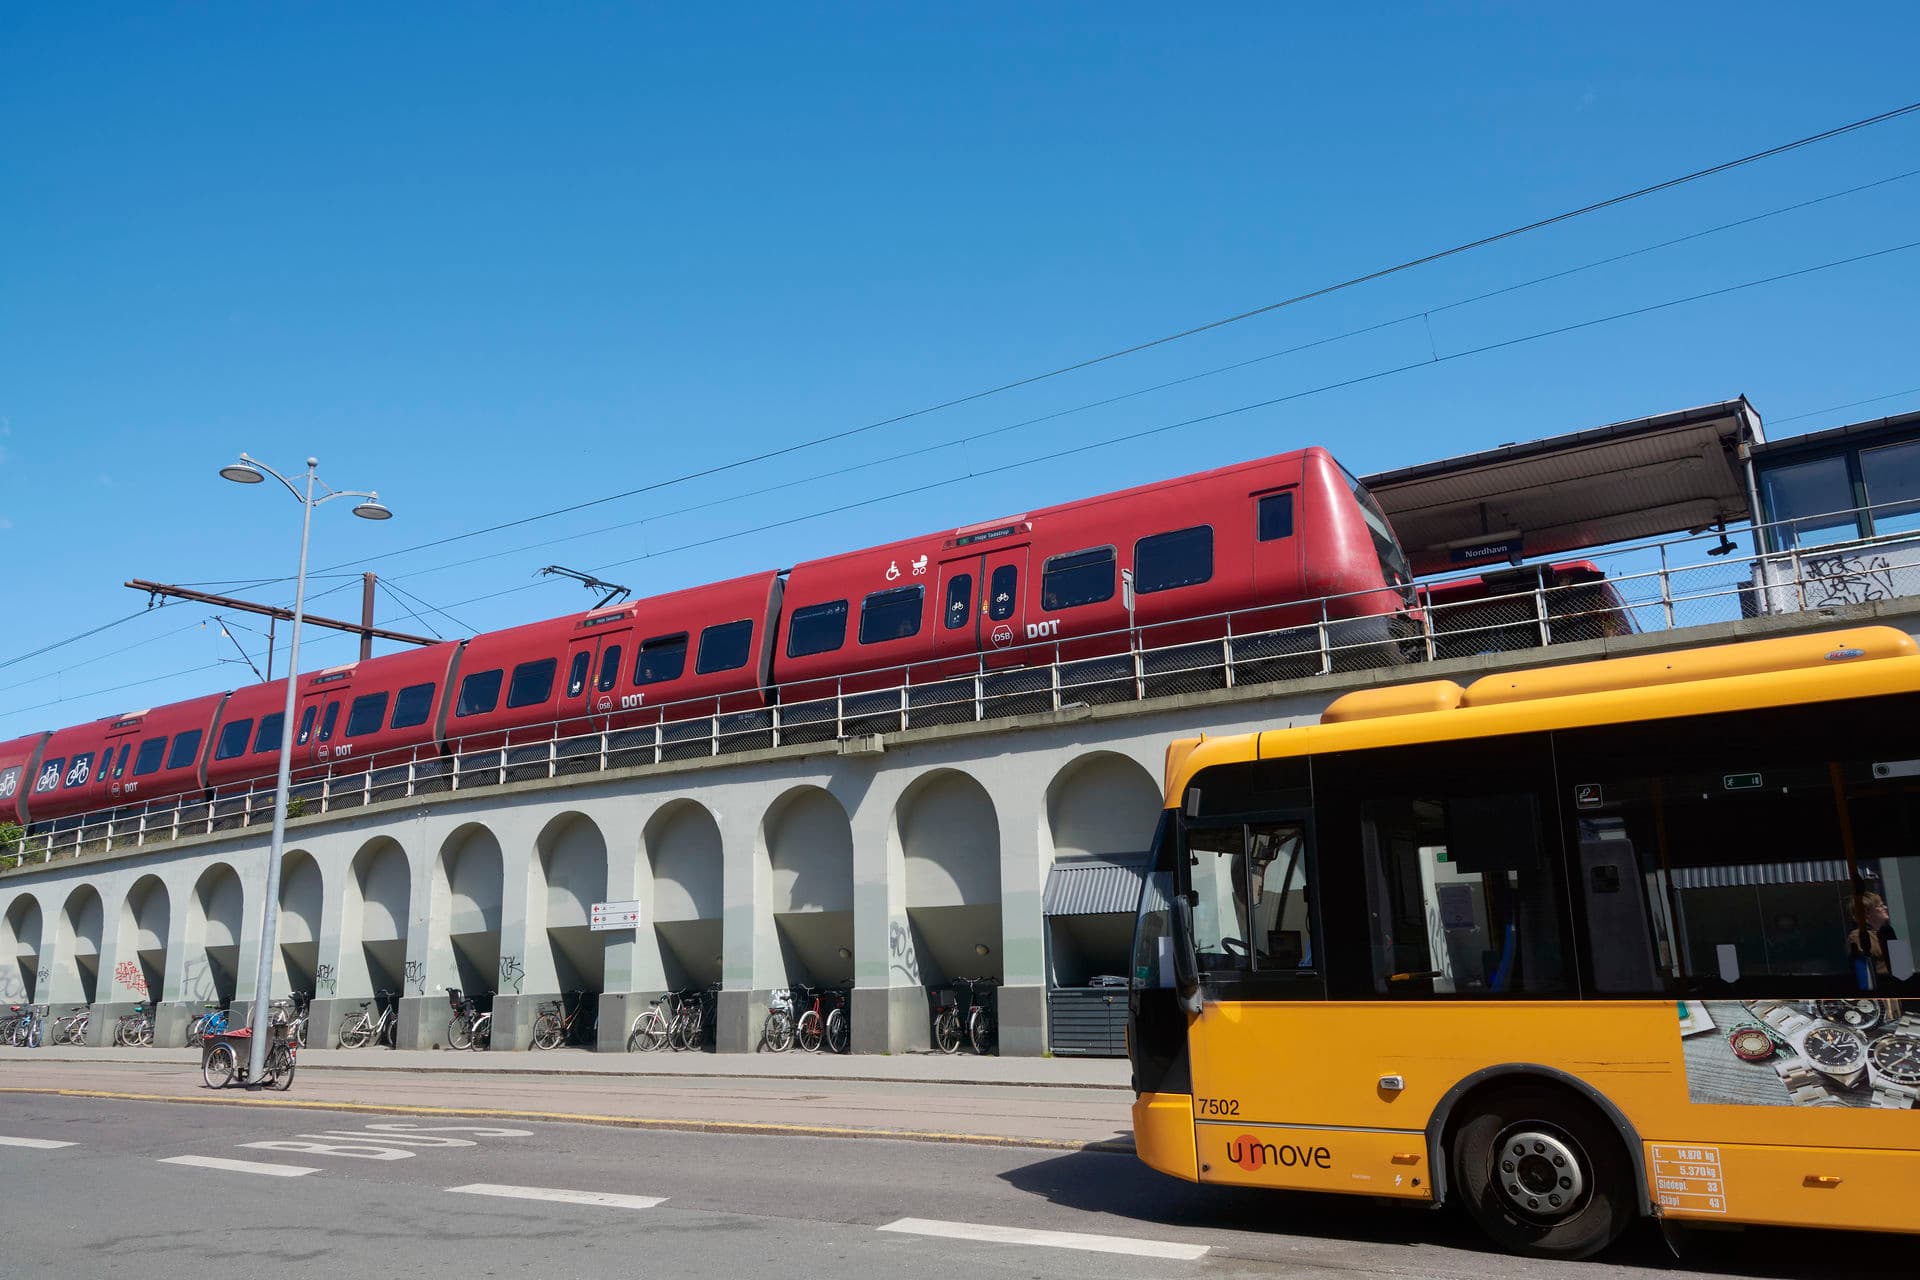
point(615, 915)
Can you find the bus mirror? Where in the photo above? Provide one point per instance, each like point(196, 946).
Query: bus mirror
point(1186, 966)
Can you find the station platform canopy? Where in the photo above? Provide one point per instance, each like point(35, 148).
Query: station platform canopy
point(1675, 473)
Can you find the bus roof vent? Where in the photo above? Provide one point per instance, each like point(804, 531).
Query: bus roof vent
point(1400, 700)
point(1716, 662)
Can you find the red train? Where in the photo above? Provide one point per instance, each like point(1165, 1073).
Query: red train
point(1266, 536)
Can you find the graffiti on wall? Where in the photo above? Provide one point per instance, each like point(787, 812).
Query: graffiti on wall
point(129, 975)
point(323, 980)
point(16, 983)
point(1848, 579)
point(416, 977)
point(511, 972)
point(900, 952)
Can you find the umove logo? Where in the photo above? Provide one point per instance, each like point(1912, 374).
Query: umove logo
point(1253, 1155)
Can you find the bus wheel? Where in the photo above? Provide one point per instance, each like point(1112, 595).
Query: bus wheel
point(1542, 1174)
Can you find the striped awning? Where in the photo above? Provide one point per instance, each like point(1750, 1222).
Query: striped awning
point(1094, 886)
point(1827, 871)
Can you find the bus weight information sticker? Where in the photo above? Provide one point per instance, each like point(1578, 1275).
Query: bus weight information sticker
point(1688, 1178)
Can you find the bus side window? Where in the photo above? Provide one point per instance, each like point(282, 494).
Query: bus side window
point(1216, 864)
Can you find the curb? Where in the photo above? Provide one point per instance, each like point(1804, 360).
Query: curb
point(1123, 1146)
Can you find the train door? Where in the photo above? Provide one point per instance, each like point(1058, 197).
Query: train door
point(1276, 544)
point(316, 724)
point(1003, 605)
point(112, 767)
point(577, 678)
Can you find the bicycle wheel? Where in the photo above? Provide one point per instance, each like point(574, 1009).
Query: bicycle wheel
point(547, 1031)
point(283, 1075)
point(356, 1032)
point(980, 1030)
point(946, 1030)
point(460, 1033)
point(779, 1031)
point(144, 1030)
point(839, 1033)
point(390, 1032)
point(218, 1066)
point(653, 1031)
point(808, 1033)
point(483, 1032)
point(298, 1032)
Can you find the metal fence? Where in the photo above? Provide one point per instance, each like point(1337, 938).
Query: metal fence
point(1652, 587)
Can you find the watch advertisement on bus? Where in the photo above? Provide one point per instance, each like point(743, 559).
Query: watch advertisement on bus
point(1850, 1052)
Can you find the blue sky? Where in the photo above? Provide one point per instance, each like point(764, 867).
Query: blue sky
point(505, 261)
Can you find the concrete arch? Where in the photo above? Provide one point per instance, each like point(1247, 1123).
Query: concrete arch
point(569, 870)
point(946, 835)
point(20, 931)
point(804, 860)
point(76, 967)
point(146, 914)
point(1102, 805)
point(685, 891)
point(374, 911)
point(215, 920)
point(303, 895)
point(464, 912)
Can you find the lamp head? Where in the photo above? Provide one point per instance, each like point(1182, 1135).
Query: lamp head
point(373, 509)
point(242, 472)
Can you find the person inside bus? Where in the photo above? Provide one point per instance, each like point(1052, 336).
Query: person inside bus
point(1867, 940)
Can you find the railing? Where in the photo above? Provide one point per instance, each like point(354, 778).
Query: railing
point(1645, 590)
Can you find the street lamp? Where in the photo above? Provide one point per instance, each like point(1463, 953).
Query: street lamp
point(248, 471)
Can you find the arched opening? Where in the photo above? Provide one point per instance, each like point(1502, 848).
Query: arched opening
point(683, 855)
point(1101, 812)
point(302, 893)
point(806, 851)
point(949, 840)
point(20, 950)
point(467, 879)
point(572, 866)
point(213, 937)
point(374, 912)
point(141, 973)
point(76, 979)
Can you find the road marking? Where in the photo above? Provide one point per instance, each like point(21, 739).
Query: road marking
point(606, 1199)
point(243, 1166)
point(37, 1144)
point(1048, 1239)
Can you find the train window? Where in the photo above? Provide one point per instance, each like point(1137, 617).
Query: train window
point(724, 647)
point(609, 668)
point(1003, 592)
point(119, 765)
point(959, 600)
point(661, 658)
point(532, 682)
point(151, 753)
point(479, 693)
point(328, 721)
point(186, 750)
point(306, 724)
point(818, 628)
point(1276, 516)
point(369, 711)
point(891, 615)
point(233, 740)
point(50, 774)
point(413, 706)
point(577, 673)
point(80, 770)
point(268, 739)
point(1080, 577)
point(1178, 559)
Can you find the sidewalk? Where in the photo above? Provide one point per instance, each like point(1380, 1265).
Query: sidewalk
point(1044, 1102)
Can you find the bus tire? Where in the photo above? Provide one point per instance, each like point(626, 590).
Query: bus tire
point(1542, 1173)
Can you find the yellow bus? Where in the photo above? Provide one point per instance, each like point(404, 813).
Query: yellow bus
point(1566, 946)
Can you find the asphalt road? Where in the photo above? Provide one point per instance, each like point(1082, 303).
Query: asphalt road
point(318, 1193)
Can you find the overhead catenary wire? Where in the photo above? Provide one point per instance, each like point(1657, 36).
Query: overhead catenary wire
point(1851, 404)
point(1368, 277)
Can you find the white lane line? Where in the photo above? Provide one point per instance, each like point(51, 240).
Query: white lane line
point(1048, 1239)
point(605, 1199)
point(36, 1144)
point(243, 1166)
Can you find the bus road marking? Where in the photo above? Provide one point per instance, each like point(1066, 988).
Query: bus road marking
point(242, 1166)
point(35, 1144)
point(1048, 1239)
point(604, 1199)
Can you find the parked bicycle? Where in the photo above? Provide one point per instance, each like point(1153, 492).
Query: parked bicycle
point(692, 1017)
point(9, 1020)
point(470, 1027)
point(228, 1054)
point(553, 1025)
point(653, 1026)
point(371, 1025)
point(777, 1032)
point(966, 1015)
point(70, 1027)
point(211, 1023)
point(824, 1023)
point(135, 1030)
point(24, 1025)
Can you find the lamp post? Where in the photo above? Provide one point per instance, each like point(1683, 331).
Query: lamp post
point(248, 471)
